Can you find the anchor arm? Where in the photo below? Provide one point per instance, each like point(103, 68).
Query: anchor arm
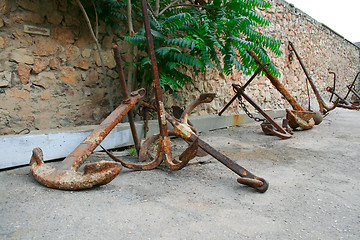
point(65, 175)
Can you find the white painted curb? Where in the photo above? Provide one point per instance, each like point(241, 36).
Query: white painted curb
point(16, 150)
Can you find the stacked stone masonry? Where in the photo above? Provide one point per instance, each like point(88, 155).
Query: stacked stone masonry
point(56, 80)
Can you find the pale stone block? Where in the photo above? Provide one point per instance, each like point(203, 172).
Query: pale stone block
point(45, 79)
point(86, 53)
point(45, 46)
point(69, 76)
point(21, 56)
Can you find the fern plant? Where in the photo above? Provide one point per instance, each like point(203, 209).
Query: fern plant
point(213, 34)
point(111, 11)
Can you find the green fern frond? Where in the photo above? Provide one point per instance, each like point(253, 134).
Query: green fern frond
point(196, 38)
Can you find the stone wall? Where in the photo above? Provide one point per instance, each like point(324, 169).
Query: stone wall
point(55, 80)
point(321, 50)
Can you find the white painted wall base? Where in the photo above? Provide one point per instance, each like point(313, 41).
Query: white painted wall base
point(16, 150)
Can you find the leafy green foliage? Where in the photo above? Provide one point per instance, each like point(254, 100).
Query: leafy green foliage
point(111, 11)
point(132, 151)
point(190, 39)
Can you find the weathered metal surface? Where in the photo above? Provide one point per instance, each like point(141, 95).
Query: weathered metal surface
point(190, 152)
point(351, 85)
point(354, 92)
point(334, 85)
point(323, 107)
point(302, 119)
point(245, 85)
point(164, 149)
point(275, 129)
point(277, 84)
point(96, 174)
point(185, 131)
point(181, 129)
point(295, 120)
point(246, 177)
point(279, 132)
point(65, 176)
point(204, 98)
point(155, 72)
point(342, 102)
point(126, 97)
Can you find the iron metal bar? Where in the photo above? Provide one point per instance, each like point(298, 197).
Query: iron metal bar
point(240, 91)
point(334, 84)
point(155, 72)
point(298, 117)
point(354, 92)
point(126, 96)
point(276, 83)
point(343, 100)
point(243, 87)
point(352, 85)
point(91, 142)
point(249, 179)
point(322, 106)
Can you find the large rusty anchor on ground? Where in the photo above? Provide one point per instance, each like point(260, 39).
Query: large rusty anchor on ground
point(268, 125)
point(342, 102)
point(298, 116)
point(65, 175)
point(181, 129)
point(324, 109)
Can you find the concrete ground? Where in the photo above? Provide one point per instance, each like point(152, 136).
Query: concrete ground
point(313, 193)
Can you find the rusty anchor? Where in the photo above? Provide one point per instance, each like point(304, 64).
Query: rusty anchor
point(342, 102)
point(268, 125)
point(324, 109)
point(65, 175)
point(181, 129)
point(298, 116)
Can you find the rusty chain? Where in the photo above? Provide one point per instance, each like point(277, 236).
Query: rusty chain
point(246, 110)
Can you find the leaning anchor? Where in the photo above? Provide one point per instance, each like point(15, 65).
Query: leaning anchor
point(181, 129)
point(298, 116)
point(324, 109)
point(268, 125)
point(65, 175)
point(342, 102)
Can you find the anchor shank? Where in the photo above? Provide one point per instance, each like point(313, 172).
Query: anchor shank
point(75, 159)
point(317, 94)
point(276, 83)
point(223, 159)
point(243, 87)
point(352, 84)
point(155, 72)
point(125, 97)
point(258, 108)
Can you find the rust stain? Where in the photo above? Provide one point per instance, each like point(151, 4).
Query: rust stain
point(237, 119)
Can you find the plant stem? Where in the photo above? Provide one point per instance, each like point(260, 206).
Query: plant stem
point(100, 54)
